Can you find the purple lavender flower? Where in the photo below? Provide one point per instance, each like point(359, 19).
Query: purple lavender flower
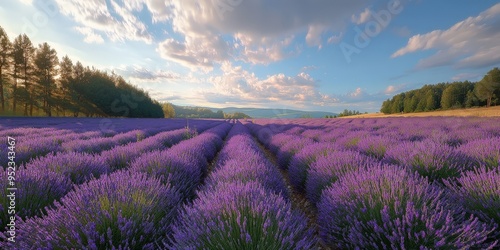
point(120, 157)
point(375, 146)
point(387, 208)
point(78, 167)
point(123, 210)
point(290, 148)
point(183, 174)
point(300, 163)
point(483, 152)
point(36, 190)
point(241, 216)
point(248, 170)
point(479, 192)
point(428, 158)
point(327, 169)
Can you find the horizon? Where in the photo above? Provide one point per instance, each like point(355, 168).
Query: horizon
point(327, 57)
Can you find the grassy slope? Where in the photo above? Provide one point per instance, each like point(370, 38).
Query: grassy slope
point(478, 112)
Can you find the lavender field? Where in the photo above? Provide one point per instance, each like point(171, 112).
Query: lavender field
point(385, 183)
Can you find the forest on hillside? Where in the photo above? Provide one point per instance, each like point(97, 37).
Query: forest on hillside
point(35, 82)
point(174, 111)
point(443, 96)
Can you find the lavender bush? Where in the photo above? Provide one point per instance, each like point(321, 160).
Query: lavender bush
point(300, 163)
point(479, 192)
point(484, 152)
point(241, 216)
point(123, 210)
point(387, 208)
point(36, 190)
point(183, 174)
point(328, 169)
point(428, 158)
point(78, 167)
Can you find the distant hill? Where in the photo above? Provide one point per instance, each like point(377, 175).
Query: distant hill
point(275, 113)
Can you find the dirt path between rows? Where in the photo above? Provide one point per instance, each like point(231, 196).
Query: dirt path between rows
point(298, 200)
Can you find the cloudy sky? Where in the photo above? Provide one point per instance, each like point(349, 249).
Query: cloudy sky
point(311, 55)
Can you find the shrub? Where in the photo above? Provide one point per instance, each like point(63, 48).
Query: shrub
point(300, 163)
point(428, 158)
point(374, 146)
point(123, 210)
point(78, 167)
point(248, 170)
point(479, 192)
point(241, 216)
point(184, 174)
point(483, 152)
point(288, 150)
point(387, 208)
point(36, 189)
point(328, 169)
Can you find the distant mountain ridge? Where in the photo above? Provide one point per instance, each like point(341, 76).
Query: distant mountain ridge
point(275, 113)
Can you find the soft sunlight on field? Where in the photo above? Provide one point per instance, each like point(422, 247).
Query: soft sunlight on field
point(479, 112)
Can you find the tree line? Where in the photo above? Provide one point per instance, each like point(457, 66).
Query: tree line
point(443, 96)
point(175, 111)
point(33, 81)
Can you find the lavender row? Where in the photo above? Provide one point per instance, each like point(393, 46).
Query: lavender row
point(88, 142)
point(126, 209)
point(185, 164)
point(386, 207)
point(242, 205)
point(77, 168)
point(28, 148)
point(52, 174)
point(453, 131)
point(358, 154)
point(116, 125)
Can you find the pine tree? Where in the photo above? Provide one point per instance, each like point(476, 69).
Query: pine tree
point(24, 53)
point(45, 67)
point(5, 64)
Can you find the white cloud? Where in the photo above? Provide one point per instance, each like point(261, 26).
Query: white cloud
point(195, 52)
point(90, 35)
point(363, 17)
point(313, 37)
point(394, 89)
point(335, 39)
point(136, 72)
point(262, 31)
point(471, 43)
point(237, 84)
point(27, 2)
point(116, 21)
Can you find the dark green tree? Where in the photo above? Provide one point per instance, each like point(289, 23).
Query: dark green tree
point(24, 71)
point(486, 88)
point(5, 64)
point(46, 62)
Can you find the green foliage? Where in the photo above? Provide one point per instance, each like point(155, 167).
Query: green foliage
point(39, 82)
point(489, 87)
point(236, 115)
point(444, 96)
point(348, 113)
point(168, 110)
point(196, 112)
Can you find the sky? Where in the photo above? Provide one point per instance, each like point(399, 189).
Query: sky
point(323, 55)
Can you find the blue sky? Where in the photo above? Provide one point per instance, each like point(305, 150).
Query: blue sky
point(327, 55)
